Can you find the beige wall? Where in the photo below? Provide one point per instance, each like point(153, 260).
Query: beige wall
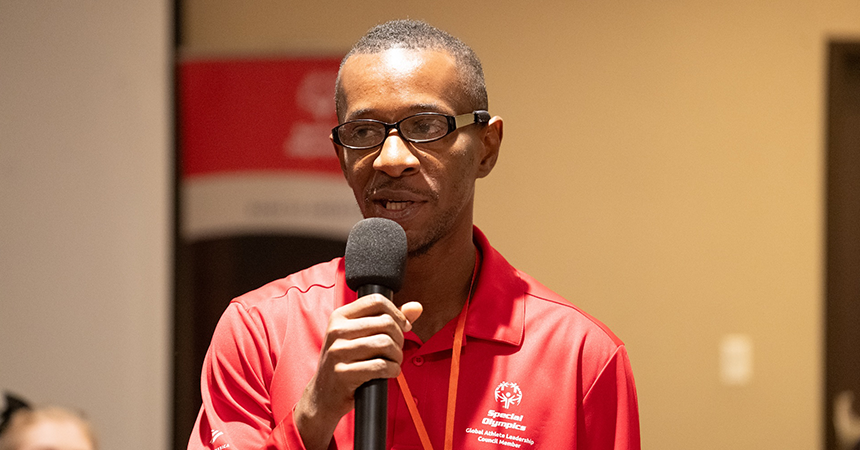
point(85, 201)
point(662, 168)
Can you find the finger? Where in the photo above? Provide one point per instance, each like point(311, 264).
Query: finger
point(350, 329)
point(372, 305)
point(369, 305)
point(357, 373)
point(379, 346)
point(411, 310)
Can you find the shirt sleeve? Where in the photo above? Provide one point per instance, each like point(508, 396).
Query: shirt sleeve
point(237, 372)
point(610, 408)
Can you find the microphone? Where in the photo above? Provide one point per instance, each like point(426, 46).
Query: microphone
point(375, 263)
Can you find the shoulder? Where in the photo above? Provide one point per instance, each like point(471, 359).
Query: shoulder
point(318, 280)
point(524, 310)
point(544, 310)
point(550, 307)
point(570, 337)
point(297, 305)
point(303, 299)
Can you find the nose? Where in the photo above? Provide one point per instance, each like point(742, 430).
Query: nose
point(395, 157)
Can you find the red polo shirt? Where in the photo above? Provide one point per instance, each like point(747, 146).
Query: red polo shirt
point(536, 372)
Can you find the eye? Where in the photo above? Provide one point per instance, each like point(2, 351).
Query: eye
point(364, 130)
point(360, 133)
point(423, 127)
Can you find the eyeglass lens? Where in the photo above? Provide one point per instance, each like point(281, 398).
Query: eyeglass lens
point(418, 128)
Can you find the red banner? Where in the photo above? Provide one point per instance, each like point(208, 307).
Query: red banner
point(257, 115)
point(255, 149)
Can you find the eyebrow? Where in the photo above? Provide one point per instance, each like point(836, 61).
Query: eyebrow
point(413, 109)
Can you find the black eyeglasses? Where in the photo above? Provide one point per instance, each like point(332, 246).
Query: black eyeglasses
point(363, 134)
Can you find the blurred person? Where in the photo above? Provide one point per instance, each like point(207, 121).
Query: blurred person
point(846, 422)
point(44, 428)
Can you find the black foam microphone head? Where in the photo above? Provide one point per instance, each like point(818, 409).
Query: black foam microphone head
point(375, 254)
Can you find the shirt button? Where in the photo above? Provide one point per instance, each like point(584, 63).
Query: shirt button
point(418, 360)
point(415, 399)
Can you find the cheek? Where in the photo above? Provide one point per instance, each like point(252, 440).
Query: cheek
point(456, 174)
point(353, 167)
point(463, 164)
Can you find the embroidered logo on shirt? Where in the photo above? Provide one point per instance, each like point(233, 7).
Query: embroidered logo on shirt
point(215, 435)
point(509, 394)
point(500, 428)
point(512, 436)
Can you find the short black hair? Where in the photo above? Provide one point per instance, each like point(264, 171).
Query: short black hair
point(418, 35)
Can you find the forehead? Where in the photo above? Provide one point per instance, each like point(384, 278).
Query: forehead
point(56, 434)
point(398, 81)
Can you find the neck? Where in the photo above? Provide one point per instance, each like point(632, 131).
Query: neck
point(440, 280)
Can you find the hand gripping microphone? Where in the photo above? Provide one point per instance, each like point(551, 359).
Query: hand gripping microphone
point(375, 262)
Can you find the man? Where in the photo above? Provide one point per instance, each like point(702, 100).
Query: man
point(485, 356)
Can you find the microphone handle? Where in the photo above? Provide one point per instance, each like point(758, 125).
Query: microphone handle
point(371, 398)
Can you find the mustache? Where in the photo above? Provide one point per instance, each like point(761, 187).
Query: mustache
point(396, 184)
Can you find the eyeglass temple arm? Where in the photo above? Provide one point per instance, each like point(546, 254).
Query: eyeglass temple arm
point(479, 116)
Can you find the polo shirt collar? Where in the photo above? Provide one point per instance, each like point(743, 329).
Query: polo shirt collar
point(497, 308)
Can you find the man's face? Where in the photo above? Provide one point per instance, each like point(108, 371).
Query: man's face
point(427, 188)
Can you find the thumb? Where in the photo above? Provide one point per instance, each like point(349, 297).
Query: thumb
point(412, 310)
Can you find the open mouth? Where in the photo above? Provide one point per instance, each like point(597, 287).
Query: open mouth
point(393, 205)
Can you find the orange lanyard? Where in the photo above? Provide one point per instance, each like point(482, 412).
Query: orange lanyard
point(452, 380)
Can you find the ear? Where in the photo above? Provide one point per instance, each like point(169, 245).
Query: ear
point(491, 139)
